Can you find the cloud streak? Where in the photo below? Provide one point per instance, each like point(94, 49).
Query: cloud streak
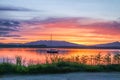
point(10, 8)
point(8, 26)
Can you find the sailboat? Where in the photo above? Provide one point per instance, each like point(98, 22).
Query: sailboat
point(52, 50)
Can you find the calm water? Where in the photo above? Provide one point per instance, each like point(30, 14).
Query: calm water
point(39, 54)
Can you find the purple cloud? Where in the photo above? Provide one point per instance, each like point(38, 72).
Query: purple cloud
point(10, 8)
point(7, 26)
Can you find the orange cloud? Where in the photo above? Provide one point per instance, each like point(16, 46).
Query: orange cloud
point(76, 30)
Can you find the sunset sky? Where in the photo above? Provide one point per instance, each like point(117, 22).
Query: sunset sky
point(79, 21)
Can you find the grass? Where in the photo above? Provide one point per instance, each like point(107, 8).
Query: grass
point(59, 67)
point(57, 64)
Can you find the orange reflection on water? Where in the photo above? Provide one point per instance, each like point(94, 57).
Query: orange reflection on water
point(25, 53)
point(40, 55)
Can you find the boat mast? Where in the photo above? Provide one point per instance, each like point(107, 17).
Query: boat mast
point(51, 39)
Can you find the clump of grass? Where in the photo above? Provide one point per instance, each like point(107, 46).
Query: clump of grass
point(18, 60)
point(6, 68)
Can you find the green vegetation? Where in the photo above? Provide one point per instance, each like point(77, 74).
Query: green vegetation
point(56, 64)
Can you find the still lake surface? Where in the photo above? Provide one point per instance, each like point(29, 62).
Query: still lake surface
point(40, 54)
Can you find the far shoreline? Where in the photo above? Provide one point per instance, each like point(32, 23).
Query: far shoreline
point(65, 47)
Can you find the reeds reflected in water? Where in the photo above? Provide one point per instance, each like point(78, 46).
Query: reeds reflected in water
point(97, 59)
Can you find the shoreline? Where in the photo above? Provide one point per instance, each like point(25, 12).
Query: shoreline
point(63, 47)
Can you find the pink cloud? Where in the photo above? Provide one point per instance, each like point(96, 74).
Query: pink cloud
point(71, 29)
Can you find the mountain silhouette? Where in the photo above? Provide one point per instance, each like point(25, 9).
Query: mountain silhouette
point(53, 43)
point(112, 44)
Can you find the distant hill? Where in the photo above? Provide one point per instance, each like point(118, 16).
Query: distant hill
point(54, 43)
point(112, 44)
point(48, 43)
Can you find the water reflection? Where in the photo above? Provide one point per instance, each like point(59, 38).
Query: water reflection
point(39, 55)
point(44, 50)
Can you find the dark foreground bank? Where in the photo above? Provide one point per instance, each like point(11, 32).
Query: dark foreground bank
point(57, 67)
